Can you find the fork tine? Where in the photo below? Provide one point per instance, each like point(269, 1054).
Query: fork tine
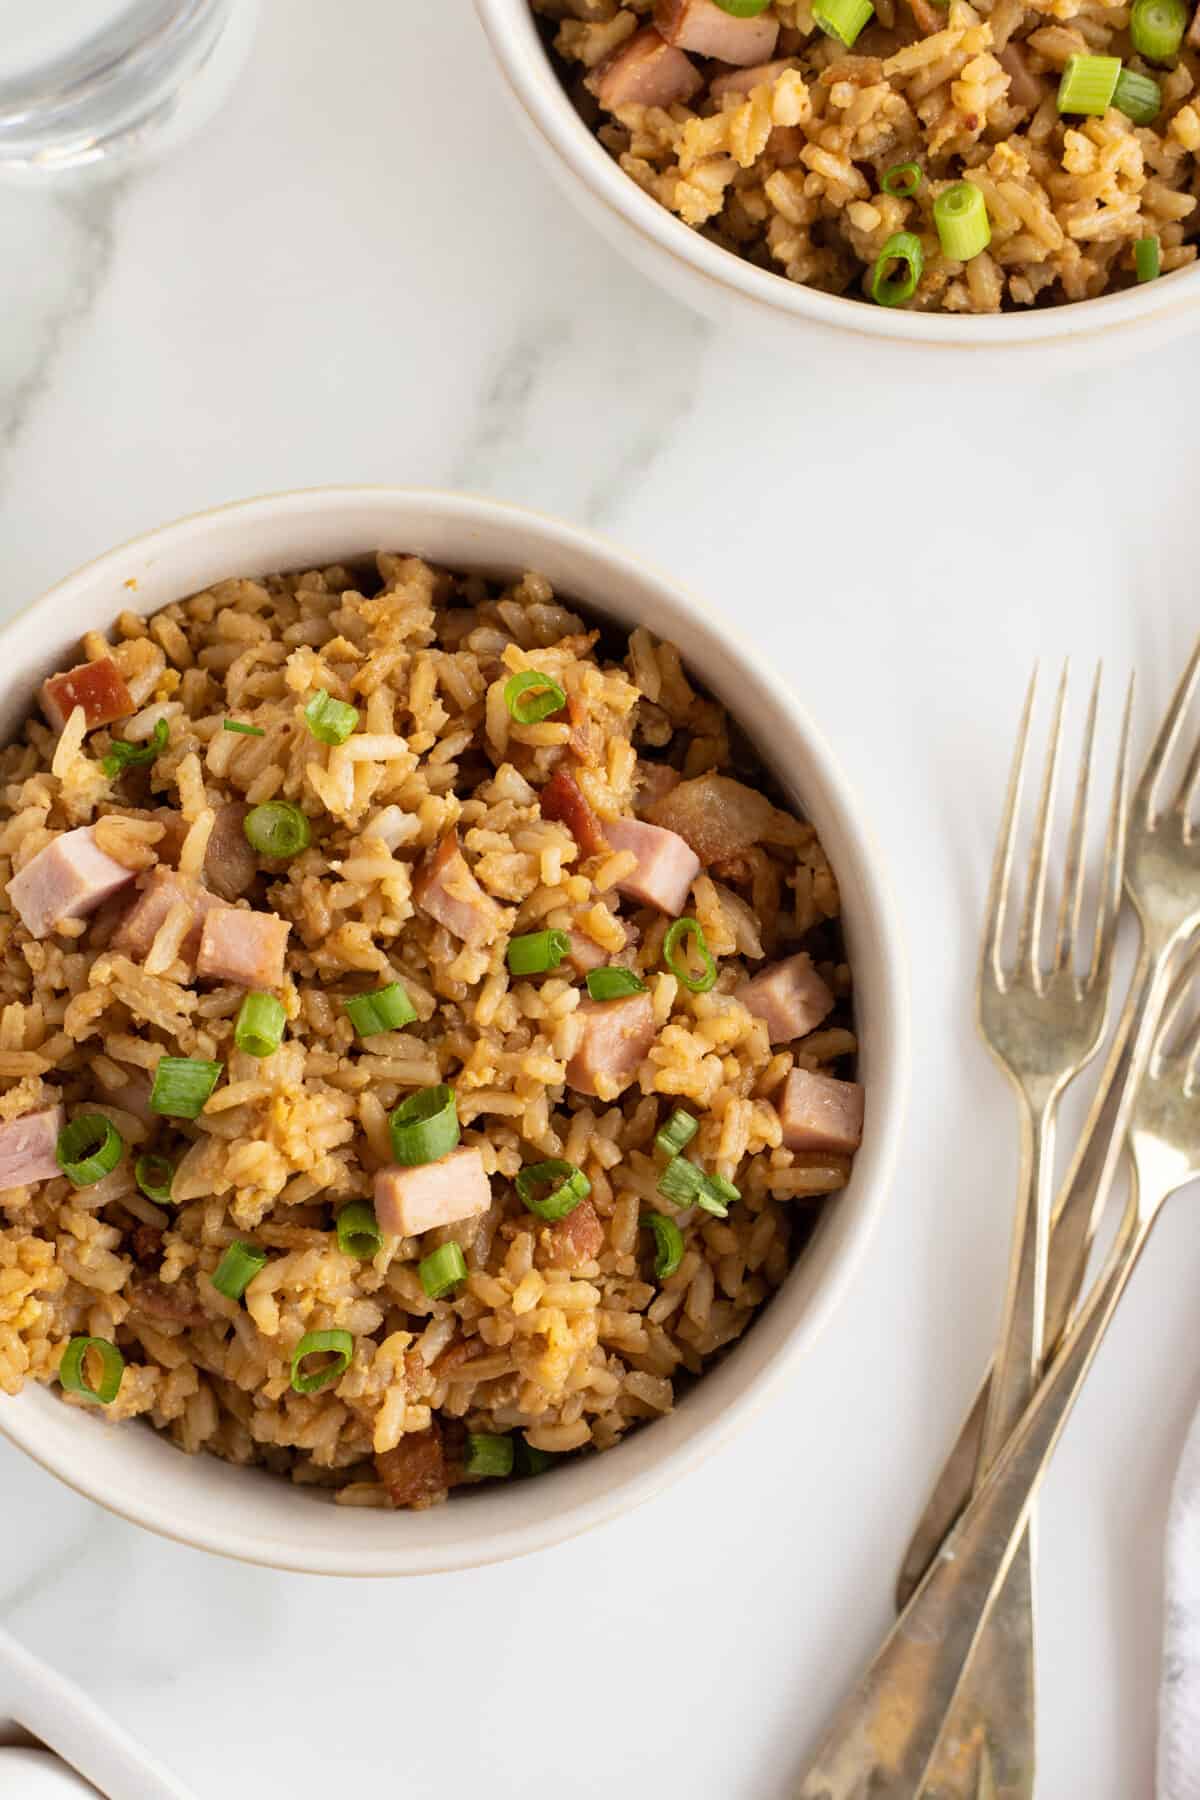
point(998, 891)
point(1071, 902)
point(1164, 742)
point(1109, 910)
point(1029, 932)
point(1174, 1007)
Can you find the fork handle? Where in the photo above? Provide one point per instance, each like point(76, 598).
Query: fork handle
point(883, 1736)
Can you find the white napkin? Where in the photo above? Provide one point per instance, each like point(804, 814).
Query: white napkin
point(1179, 1701)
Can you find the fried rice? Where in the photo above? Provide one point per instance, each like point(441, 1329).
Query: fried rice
point(561, 1336)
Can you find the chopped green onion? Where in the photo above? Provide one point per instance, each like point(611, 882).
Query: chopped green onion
point(1088, 83)
point(537, 952)
point(668, 1243)
point(488, 1454)
point(260, 1023)
point(744, 9)
point(1139, 97)
point(246, 730)
point(1156, 28)
point(337, 1344)
point(888, 288)
point(154, 1175)
point(72, 1372)
point(1147, 259)
point(677, 1133)
point(531, 1461)
point(183, 1085)
point(237, 1269)
point(442, 1270)
point(88, 1149)
point(387, 1009)
point(424, 1127)
point(685, 1184)
point(531, 697)
point(358, 1232)
point(573, 1186)
point(330, 721)
point(277, 828)
point(842, 19)
point(902, 180)
point(124, 755)
point(678, 964)
point(613, 982)
point(961, 217)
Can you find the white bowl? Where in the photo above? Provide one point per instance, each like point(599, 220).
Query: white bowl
point(735, 292)
point(248, 1513)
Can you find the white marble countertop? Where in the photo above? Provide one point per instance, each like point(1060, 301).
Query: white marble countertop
point(358, 273)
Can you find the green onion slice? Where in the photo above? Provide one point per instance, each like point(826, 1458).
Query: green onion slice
point(531, 1461)
point(336, 1344)
point(237, 1269)
point(568, 1186)
point(614, 982)
point(277, 828)
point(246, 730)
point(961, 217)
point(1156, 28)
point(488, 1454)
point(677, 1133)
point(154, 1175)
point(72, 1370)
point(1088, 84)
point(183, 1085)
point(842, 19)
point(126, 756)
point(88, 1149)
point(1147, 259)
point(442, 1270)
point(676, 958)
point(330, 721)
point(424, 1127)
point(537, 952)
point(902, 180)
point(260, 1023)
point(1139, 97)
point(893, 288)
point(387, 1009)
point(685, 1184)
point(744, 9)
point(668, 1243)
point(358, 1232)
point(531, 697)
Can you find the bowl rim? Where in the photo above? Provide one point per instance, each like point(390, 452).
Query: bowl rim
point(522, 60)
point(135, 1501)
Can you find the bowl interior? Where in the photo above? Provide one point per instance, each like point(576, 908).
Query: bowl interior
point(246, 1513)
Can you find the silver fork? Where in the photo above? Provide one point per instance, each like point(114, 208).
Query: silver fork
point(1162, 878)
point(1042, 1026)
point(885, 1733)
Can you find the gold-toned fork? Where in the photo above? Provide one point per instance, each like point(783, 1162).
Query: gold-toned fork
point(881, 1741)
point(1162, 879)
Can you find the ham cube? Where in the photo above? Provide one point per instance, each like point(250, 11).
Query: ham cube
point(447, 890)
point(99, 687)
point(562, 799)
point(27, 1148)
point(616, 1036)
point(410, 1201)
point(70, 878)
point(741, 82)
point(244, 947)
point(819, 1113)
point(579, 1238)
point(706, 29)
point(790, 996)
point(414, 1472)
point(666, 866)
point(162, 890)
point(644, 72)
point(230, 865)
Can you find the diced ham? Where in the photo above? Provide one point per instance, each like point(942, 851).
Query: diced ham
point(27, 1148)
point(616, 1036)
point(67, 880)
point(741, 82)
point(718, 817)
point(708, 30)
point(585, 953)
point(414, 1472)
point(99, 687)
point(646, 71)
point(576, 1239)
point(652, 782)
point(162, 889)
point(242, 946)
point(819, 1113)
point(230, 865)
point(790, 996)
point(410, 1201)
point(666, 865)
point(172, 1302)
point(561, 799)
point(1024, 87)
point(447, 890)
